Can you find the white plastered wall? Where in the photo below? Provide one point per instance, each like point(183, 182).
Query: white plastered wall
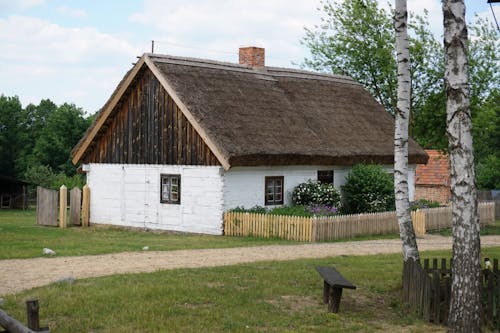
point(244, 186)
point(129, 195)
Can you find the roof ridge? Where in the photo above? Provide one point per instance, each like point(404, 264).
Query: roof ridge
point(198, 60)
point(268, 71)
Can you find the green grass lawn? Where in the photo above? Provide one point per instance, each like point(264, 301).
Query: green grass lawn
point(20, 237)
point(258, 297)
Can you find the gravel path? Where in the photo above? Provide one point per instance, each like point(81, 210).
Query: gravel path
point(21, 274)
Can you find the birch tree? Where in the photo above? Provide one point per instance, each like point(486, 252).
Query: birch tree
point(465, 304)
point(402, 114)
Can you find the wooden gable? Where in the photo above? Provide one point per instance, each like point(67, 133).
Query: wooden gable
point(147, 127)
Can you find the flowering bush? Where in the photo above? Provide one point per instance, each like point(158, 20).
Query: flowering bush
point(322, 210)
point(422, 204)
point(315, 193)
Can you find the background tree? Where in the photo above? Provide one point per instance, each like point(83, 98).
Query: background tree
point(465, 307)
point(355, 39)
point(35, 142)
point(402, 114)
point(62, 130)
point(32, 122)
point(10, 114)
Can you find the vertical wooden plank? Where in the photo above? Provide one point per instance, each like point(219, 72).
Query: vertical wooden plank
point(175, 137)
point(181, 146)
point(75, 200)
point(225, 224)
point(446, 295)
point(46, 208)
point(437, 297)
point(227, 230)
point(235, 224)
point(86, 206)
point(489, 292)
point(497, 293)
point(63, 204)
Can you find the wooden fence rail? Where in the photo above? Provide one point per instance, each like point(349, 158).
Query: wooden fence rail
point(427, 289)
point(314, 229)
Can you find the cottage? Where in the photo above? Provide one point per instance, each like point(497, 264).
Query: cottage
point(181, 140)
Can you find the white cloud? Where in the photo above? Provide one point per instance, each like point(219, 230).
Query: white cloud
point(33, 39)
point(8, 5)
point(72, 12)
point(44, 60)
point(197, 28)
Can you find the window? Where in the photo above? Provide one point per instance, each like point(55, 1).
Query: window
point(170, 189)
point(274, 190)
point(325, 176)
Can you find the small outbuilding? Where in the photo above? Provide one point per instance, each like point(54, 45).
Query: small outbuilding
point(181, 140)
point(13, 193)
point(433, 179)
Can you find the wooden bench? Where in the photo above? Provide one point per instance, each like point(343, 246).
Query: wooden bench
point(333, 284)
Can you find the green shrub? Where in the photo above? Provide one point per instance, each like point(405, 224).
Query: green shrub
point(300, 210)
point(368, 188)
point(255, 209)
point(290, 211)
point(315, 193)
point(42, 175)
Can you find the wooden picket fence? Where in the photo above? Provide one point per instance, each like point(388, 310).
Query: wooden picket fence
point(314, 229)
point(440, 218)
point(427, 290)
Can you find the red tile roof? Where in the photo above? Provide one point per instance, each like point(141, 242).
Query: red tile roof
point(436, 171)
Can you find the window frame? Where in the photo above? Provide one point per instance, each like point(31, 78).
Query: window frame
point(170, 177)
point(325, 182)
point(282, 193)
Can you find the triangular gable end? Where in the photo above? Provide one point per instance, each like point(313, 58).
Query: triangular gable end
point(166, 134)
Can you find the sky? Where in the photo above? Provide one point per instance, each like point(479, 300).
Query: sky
point(77, 51)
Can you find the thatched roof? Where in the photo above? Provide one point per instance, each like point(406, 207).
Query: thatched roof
point(273, 116)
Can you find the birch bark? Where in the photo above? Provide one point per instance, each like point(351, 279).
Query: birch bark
point(407, 234)
point(465, 307)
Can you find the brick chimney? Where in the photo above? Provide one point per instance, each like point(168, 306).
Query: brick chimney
point(252, 56)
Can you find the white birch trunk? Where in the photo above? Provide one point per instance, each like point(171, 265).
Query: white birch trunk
point(465, 307)
point(409, 243)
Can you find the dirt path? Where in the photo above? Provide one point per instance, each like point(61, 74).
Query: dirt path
point(20, 274)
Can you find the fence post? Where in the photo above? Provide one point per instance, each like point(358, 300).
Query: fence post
point(63, 206)
point(86, 206)
point(32, 314)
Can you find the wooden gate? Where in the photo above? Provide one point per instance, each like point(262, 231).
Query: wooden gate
point(46, 206)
